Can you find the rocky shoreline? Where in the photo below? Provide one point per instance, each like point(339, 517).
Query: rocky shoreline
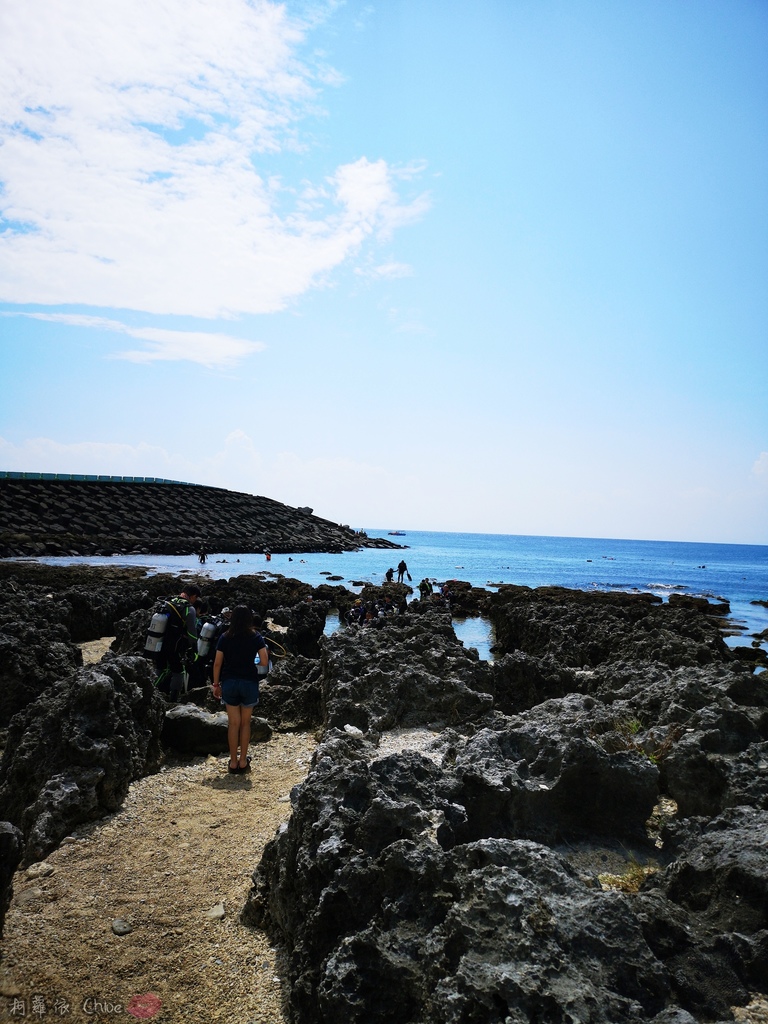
point(452, 875)
point(104, 517)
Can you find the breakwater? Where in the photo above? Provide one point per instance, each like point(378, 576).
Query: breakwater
point(41, 517)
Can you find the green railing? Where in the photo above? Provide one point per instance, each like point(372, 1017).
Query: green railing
point(7, 475)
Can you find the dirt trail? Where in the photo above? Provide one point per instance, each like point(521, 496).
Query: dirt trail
point(185, 842)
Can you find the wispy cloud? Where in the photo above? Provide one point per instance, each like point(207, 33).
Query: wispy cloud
point(760, 467)
point(407, 321)
point(137, 159)
point(390, 271)
point(208, 348)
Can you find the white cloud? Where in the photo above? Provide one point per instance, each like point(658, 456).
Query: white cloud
point(210, 349)
point(760, 467)
point(131, 136)
point(45, 455)
point(390, 271)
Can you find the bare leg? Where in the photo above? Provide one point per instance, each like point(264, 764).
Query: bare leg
point(245, 735)
point(233, 731)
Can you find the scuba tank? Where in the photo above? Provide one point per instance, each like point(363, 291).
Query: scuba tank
point(274, 649)
point(155, 634)
point(204, 640)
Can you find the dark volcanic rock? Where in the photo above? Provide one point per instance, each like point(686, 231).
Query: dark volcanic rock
point(11, 848)
point(586, 629)
point(403, 670)
point(290, 698)
point(706, 728)
point(549, 774)
point(304, 622)
point(706, 914)
point(521, 680)
point(72, 754)
point(424, 889)
point(36, 650)
point(189, 729)
point(720, 869)
point(385, 924)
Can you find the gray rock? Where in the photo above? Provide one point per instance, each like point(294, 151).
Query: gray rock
point(189, 729)
point(11, 848)
point(409, 888)
point(547, 775)
point(290, 697)
point(386, 925)
point(586, 629)
point(305, 622)
point(72, 754)
point(36, 651)
point(406, 671)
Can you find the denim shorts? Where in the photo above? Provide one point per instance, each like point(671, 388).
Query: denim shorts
point(242, 692)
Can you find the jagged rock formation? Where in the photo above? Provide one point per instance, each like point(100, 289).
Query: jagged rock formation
point(72, 753)
point(75, 517)
point(442, 884)
point(11, 848)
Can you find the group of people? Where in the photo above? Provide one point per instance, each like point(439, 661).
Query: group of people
point(363, 613)
point(235, 654)
point(230, 652)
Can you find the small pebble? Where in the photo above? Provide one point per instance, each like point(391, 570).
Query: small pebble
point(40, 870)
point(121, 927)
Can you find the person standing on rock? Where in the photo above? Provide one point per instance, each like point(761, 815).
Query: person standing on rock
point(402, 570)
point(179, 637)
point(241, 660)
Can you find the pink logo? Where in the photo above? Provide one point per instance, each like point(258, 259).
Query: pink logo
point(145, 1006)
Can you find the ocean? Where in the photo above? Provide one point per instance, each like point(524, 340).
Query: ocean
point(736, 572)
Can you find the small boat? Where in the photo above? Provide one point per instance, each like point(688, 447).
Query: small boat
point(396, 533)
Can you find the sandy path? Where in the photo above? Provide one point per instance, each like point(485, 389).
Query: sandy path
point(185, 840)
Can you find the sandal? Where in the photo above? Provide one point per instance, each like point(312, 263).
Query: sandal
point(235, 770)
point(246, 767)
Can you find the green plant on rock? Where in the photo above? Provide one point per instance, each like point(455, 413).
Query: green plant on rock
point(630, 880)
point(629, 727)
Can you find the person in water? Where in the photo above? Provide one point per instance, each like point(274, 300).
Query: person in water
point(241, 660)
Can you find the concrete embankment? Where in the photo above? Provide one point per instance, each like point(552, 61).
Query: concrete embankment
point(75, 517)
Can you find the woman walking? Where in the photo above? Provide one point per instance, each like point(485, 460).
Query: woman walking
point(241, 658)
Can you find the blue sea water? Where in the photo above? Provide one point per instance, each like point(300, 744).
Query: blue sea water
point(736, 572)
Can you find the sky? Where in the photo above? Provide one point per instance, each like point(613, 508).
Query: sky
point(495, 267)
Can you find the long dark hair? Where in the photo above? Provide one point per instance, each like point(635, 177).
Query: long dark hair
point(241, 622)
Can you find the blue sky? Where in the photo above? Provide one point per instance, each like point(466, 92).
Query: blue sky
point(494, 267)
